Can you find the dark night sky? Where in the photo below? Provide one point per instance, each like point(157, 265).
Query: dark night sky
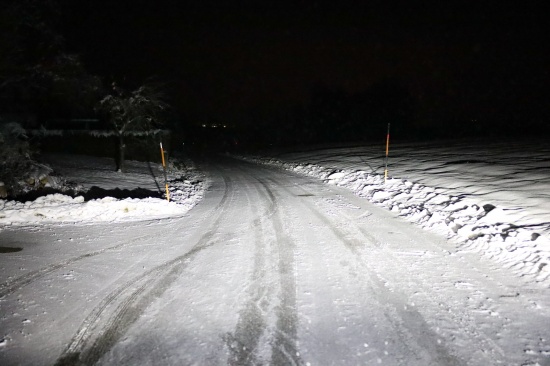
point(460, 60)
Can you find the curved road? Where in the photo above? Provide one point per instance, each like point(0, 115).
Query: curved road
point(270, 268)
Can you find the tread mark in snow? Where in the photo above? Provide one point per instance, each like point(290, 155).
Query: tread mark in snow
point(134, 301)
point(243, 342)
point(284, 349)
point(407, 319)
point(18, 283)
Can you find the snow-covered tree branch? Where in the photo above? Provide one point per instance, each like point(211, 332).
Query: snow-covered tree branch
point(139, 110)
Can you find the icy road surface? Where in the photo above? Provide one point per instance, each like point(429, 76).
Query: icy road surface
point(269, 268)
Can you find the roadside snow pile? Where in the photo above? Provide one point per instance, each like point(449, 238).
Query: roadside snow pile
point(185, 185)
point(484, 228)
point(61, 208)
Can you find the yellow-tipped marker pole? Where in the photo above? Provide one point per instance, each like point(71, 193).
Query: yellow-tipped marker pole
point(387, 154)
point(164, 170)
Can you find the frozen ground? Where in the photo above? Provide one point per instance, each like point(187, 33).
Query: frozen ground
point(492, 197)
point(273, 266)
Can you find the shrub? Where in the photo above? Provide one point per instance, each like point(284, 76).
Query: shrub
point(15, 156)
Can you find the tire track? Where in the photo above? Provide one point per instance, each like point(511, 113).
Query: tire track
point(254, 317)
point(284, 349)
point(407, 317)
point(411, 319)
point(13, 285)
point(252, 323)
point(102, 328)
point(20, 282)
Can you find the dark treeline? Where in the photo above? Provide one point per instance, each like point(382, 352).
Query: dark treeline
point(333, 115)
point(42, 82)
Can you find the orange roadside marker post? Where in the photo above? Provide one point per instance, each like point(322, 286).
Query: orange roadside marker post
point(387, 154)
point(164, 170)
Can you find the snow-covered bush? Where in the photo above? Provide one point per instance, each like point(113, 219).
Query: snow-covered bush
point(15, 155)
point(19, 173)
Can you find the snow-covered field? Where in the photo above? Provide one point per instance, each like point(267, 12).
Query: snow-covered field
point(489, 197)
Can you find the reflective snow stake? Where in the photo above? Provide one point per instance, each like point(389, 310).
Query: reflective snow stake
point(164, 170)
point(387, 153)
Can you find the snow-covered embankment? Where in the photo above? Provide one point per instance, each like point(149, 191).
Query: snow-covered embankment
point(482, 227)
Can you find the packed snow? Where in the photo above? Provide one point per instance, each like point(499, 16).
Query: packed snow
point(493, 197)
point(490, 197)
point(277, 267)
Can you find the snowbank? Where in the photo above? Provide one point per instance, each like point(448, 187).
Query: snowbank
point(186, 188)
point(462, 218)
point(65, 209)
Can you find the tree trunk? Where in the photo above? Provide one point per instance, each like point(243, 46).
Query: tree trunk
point(121, 150)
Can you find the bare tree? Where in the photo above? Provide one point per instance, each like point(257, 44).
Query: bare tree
point(138, 111)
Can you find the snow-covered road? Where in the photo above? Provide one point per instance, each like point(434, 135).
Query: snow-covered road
point(270, 267)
